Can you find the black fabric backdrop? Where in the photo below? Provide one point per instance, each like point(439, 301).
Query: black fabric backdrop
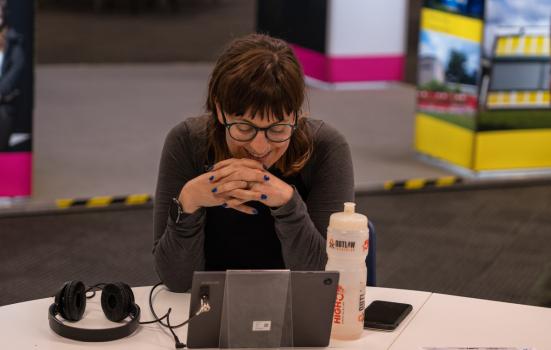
point(21, 18)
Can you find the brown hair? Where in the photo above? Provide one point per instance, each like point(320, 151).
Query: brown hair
point(260, 74)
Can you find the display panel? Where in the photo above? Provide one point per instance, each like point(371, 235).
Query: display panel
point(16, 96)
point(515, 93)
point(448, 71)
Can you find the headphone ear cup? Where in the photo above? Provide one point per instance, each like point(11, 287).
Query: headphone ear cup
point(58, 300)
point(130, 295)
point(73, 301)
point(117, 300)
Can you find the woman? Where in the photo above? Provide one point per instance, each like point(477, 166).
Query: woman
point(250, 185)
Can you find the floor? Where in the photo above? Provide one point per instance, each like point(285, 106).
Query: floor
point(481, 243)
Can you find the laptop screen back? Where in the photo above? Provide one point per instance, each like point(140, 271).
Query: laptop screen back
point(312, 300)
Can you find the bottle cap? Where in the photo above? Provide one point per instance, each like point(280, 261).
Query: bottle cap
point(348, 220)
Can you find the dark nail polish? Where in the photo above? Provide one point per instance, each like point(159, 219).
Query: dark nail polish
point(211, 178)
point(263, 197)
point(255, 211)
point(266, 178)
point(214, 190)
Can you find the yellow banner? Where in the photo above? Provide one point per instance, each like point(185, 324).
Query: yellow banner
point(452, 24)
point(482, 151)
point(513, 149)
point(443, 140)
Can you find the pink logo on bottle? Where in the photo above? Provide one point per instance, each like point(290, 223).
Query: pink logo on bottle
point(338, 313)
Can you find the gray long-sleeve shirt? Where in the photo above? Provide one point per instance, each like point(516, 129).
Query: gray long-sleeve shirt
point(300, 225)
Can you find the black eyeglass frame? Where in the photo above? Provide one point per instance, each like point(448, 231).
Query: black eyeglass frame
point(257, 129)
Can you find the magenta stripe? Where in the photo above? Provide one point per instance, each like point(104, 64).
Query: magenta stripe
point(314, 64)
point(15, 174)
point(350, 69)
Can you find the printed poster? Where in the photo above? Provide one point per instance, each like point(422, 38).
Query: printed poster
point(449, 61)
point(16, 96)
point(515, 90)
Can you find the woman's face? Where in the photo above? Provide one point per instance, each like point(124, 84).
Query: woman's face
point(259, 148)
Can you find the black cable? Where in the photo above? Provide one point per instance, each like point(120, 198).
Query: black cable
point(155, 314)
point(92, 288)
point(179, 344)
point(156, 319)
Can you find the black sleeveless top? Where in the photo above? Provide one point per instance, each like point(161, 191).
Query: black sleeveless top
point(239, 241)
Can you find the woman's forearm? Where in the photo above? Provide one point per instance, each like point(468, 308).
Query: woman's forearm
point(302, 245)
point(180, 251)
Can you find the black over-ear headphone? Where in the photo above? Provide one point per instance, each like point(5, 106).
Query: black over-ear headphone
point(117, 303)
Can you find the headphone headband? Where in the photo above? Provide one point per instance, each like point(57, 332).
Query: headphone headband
point(94, 335)
point(117, 303)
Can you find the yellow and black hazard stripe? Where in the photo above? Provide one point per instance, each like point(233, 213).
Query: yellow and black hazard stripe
point(418, 184)
point(103, 201)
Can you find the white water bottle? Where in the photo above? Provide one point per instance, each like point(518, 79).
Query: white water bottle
point(347, 248)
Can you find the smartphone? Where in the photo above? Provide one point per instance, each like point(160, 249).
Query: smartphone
point(385, 315)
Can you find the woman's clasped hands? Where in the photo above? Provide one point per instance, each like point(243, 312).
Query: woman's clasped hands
point(233, 182)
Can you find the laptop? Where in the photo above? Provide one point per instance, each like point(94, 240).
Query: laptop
point(312, 293)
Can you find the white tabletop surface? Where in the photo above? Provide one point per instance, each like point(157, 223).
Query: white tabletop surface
point(374, 339)
point(447, 320)
point(25, 325)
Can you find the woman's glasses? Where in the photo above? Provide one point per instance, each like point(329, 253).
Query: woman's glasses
point(243, 132)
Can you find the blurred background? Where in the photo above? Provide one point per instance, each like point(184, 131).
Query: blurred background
point(112, 77)
point(142, 66)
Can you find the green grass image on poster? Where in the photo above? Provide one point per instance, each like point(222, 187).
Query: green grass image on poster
point(498, 120)
point(514, 119)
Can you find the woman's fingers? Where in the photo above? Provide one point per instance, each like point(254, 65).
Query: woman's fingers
point(247, 195)
point(250, 163)
point(245, 209)
point(242, 208)
point(222, 188)
point(233, 173)
point(237, 204)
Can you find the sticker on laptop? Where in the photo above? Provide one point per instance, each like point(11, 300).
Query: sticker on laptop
point(262, 326)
